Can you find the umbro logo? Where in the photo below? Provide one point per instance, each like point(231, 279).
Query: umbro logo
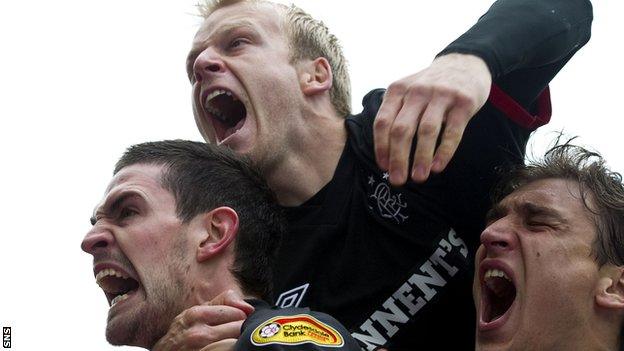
point(292, 297)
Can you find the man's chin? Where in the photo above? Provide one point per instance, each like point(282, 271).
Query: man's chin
point(142, 327)
point(139, 321)
point(119, 333)
point(131, 329)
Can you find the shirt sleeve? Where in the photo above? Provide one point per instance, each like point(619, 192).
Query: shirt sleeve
point(524, 43)
point(523, 34)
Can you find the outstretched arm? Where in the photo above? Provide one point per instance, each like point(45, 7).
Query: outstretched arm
point(519, 43)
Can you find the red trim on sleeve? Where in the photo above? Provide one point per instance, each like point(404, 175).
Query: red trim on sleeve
point(507, 105)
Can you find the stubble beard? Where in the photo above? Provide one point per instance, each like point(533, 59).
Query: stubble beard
point(270, 159)
point(149, 320)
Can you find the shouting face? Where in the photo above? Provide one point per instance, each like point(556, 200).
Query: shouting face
point(138, 246)
point(246, 93)
point(535, 273)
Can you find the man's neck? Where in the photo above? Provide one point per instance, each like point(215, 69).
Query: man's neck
point(309, 165)
point(595, 337)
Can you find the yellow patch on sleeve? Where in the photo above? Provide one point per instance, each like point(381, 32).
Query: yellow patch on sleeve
point(296, 330)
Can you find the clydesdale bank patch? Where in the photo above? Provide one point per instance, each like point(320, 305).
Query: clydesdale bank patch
point(296, 330)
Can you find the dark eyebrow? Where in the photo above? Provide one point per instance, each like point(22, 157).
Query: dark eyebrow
point(533, 209)
point(107, 209)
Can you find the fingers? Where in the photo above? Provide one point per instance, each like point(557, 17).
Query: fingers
point(424, 113)
point(221, 345)
point(456, 122)
point(233, 299)
point(391, 105)
point(401, 135)
point(210, 315)
point(439, 99)
point(200, 335)
point(399, 120)
point(428, 131)
point(201, 325)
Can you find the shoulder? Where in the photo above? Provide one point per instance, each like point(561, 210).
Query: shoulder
point(360, 126)
point(370, 105)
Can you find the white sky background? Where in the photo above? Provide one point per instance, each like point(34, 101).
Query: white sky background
point(82, 80)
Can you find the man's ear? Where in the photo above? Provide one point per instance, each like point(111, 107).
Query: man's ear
point(315, 76)
point(610, 287)
point(221, 227)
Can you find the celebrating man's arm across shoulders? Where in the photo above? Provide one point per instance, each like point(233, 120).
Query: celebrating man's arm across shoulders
point(518, 44)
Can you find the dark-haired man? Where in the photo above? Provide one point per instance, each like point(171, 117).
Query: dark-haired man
point(550, 269)
point(185, 223)
point(394, 264)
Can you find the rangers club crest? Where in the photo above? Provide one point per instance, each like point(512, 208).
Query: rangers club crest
point(389, 205)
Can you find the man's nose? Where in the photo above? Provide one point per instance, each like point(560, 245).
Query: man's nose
point(98, 237)
point(499, 237)
point(207, 64)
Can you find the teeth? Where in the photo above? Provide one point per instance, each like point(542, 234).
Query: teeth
point(109, 272)
point(118, 298)
point(216, 93)
point(215, 112)
point(495, 273)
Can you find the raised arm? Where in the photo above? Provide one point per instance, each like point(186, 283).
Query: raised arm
point(523, 34)
point(518, 44)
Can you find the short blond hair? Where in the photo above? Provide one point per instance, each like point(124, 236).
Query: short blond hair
point(309, 39)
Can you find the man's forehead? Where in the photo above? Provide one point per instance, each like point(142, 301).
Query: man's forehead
point(251, 14)
point(137, 178)
point(546, 193)
point(146, 174)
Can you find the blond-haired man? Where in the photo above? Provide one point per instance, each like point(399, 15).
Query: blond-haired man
point(391, 263)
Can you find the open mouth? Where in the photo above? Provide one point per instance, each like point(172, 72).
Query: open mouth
point(226, 111)
point(116, 285)
point(498, 295)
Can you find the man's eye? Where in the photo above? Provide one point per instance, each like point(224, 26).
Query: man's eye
point(126, 213)
point(537, 224)
point(237, 42)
